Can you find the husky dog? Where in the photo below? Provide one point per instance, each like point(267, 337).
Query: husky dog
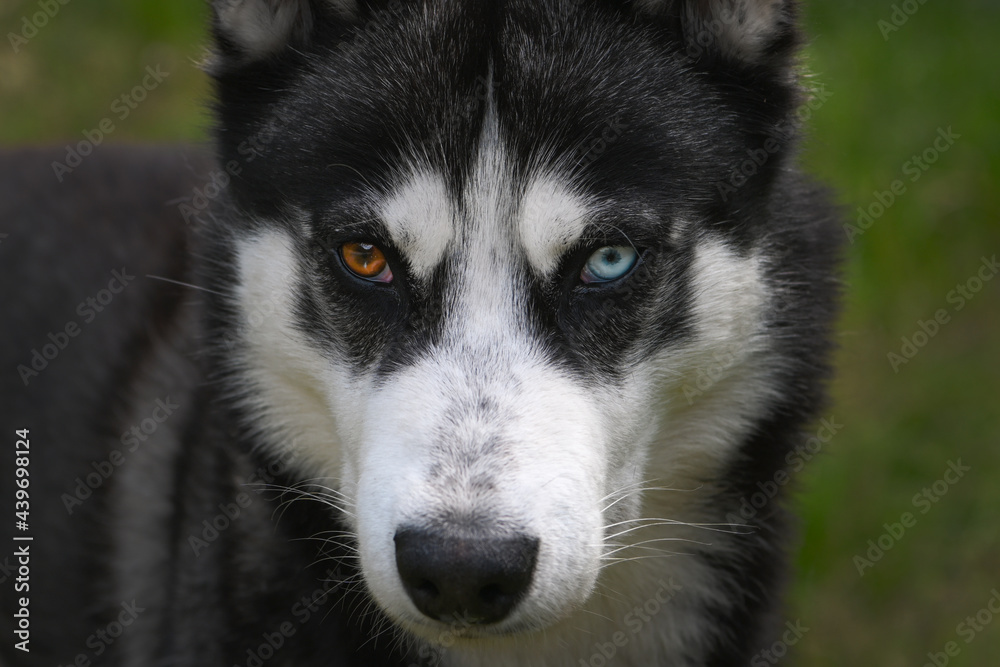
point(470, 349)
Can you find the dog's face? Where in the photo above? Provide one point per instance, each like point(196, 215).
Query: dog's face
point(484, 263)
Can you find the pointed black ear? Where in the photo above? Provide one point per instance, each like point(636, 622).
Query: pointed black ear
point(747, 31)
point(247, 31)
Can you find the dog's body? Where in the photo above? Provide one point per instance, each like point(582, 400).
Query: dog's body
point(493, 336)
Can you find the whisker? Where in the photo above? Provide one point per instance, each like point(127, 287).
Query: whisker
point(630, 490)
point(626, 489)
point(183, 284)
point(652, 522)
point(640, 545)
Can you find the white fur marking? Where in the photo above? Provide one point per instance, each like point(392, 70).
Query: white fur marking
point(287, 375)
point(420, 217)
point(552, 219)
point(410, 448)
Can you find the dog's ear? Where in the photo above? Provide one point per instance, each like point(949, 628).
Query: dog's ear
point(248, 31)
point(747, 31)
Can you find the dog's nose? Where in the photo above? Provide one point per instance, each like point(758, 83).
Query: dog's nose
point(464, 578)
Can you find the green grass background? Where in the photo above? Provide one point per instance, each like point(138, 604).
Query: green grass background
point(900, 429)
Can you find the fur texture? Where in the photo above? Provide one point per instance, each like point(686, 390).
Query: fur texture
point(573, 451)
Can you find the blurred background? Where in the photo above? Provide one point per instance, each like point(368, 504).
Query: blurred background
point(906, 126)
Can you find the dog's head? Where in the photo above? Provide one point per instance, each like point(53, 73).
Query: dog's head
point(497, 266)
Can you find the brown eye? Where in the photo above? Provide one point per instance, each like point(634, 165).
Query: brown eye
point(366, 261)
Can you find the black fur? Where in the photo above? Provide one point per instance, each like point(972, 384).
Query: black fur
point(313, 128)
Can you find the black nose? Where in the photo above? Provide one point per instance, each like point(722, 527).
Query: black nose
point(464, 578)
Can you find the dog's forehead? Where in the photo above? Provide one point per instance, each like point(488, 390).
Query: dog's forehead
point(538, 216)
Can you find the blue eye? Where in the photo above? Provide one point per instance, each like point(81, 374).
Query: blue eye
point(609, 263)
